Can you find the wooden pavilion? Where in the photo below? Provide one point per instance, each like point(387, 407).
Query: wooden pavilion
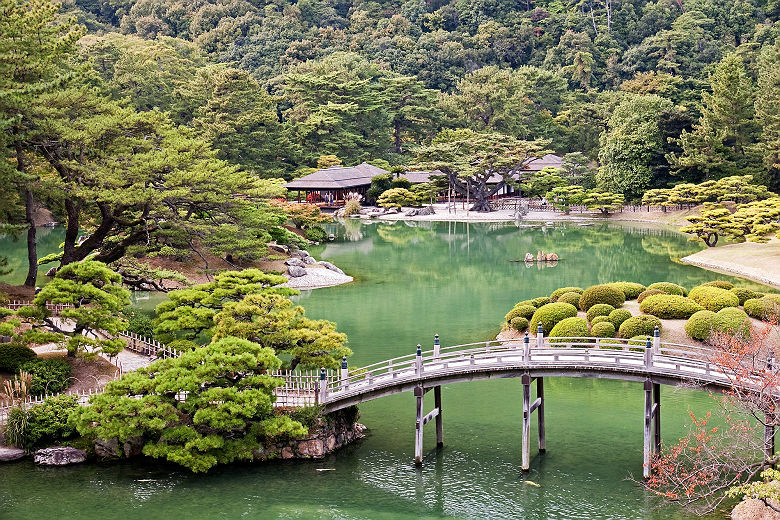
point(329, 186)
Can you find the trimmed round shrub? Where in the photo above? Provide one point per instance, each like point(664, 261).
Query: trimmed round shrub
point(602, 329)
point(524, 302)
point(732, 321)
point(601, 294)
point(570, 328)
point(315, 234)
point(670, 306)
point(542, 300)
point(549, 315)
point(649, 292)
point(618, 316)
point(720, 284)
point(699, 326)
point(600, 319)
point(570, 297)
point(49, 375)
point(563, 290)
point(519, 323)
point(642, 325)
point(523, 311)
point(766, 308)
point(745, 294)
point(640, 341)
point(13, 355)
point(600, 309)
point(713, 298)
point(669, 288)
point(630, 289)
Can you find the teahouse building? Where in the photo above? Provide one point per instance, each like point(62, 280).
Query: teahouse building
point(329, 186)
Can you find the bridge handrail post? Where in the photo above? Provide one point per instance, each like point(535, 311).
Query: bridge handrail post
point(322, 389)
point(648, 354)
point(540, 336)
point(657, 340)
point(344, 373)
point(526, 348)
point(418, 360)
point(436, 347)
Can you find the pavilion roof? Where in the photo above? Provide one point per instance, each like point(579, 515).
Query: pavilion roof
point(337, 178)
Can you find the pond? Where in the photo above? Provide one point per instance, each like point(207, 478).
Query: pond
point(413, 280)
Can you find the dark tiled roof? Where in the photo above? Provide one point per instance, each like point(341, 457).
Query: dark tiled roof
point(534, 164)
point(419, 177)
point(337, 178)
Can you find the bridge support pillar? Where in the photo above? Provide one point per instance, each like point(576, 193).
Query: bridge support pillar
point(423, 419)
point(528, 409)
point(652, 436)
point(439, 425)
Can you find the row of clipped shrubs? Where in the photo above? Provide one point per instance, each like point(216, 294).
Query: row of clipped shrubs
point(712, 306)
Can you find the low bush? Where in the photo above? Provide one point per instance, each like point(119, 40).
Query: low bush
point(13, 355)
point(618, 316)
point(649, 292)
point(732, 321)
point(603, 329)
point(563, 290)
point(522, 311)
point(600, 309)
point(542, 300)
point(570, 297)
point(745, 294)
point(669, 288)
point(519, 323)
point(766, 308)
point(601, 294)
point(569, 328)
point(45, 423)
point(720, 284)
point(630, 289)
point(4, 312)
point(713, 298)
point(49, 375)
point(351, 207)
point(699, 325)
point(599, 319)
point(640, 341)
point(315, 234)
point(549, 315)
point(670, 306)
point(140, 323)
point(642, 325)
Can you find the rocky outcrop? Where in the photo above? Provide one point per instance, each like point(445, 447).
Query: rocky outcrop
point(309, 260)
point(59, 456)
point(10, 454)
point(331, 432)
point(297, 262)
point(107, 449)
point(296, 271)
point(415, 212)
point(328, 265)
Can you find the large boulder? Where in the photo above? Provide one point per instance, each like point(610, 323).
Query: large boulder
point(427, 210)
point(308, 260)
point(107, 449)
point(279, 248)
point(10, 454)
point(301, 253)
point(60, 456)
point(295, 261)
point(313, 448)
point(296, 271)
point(328, 265)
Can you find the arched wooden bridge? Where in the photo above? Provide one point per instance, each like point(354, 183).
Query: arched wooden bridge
point(532, 359)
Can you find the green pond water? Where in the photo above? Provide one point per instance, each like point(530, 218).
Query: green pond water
point(413, 280)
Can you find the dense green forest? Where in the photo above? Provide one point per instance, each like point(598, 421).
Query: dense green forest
point(654, 92)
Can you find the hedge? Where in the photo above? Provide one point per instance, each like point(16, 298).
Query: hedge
point(542, 300)
point(563, 290)
point(13, 355)
point(699, 326)
point(720, 284)
point(570, 297)
point(642, 325)
point(523, 311)
point(618, 316)
point(669, 288)
point(745, 294)
point(549, 315)
point(765, 308)
point(649, 292)
point(569, 328)
point(670, 306)
point(49, 375)
point(599, 319)
point(713, 298)
point(603, 329)
point(630, 289)
point(519, 323)
point(45, 423)
point(732, 321)
point(600, 309)
point(601, 294)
